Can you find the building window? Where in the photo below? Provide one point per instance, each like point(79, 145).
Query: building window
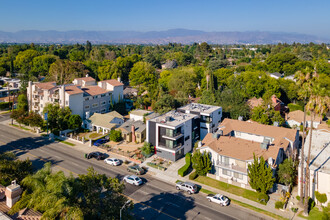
point(238, 175)
point(102, 103)
point(102, 95)
point(225, 160)
point(95, 97)
point(219, 112)
point(186, 138)
point(226, 172)
point(95, 105)
point(87, 107)
point(137, 135)
point(66, 102)
point(103, 110)
point(86, 99)
point(141, 135)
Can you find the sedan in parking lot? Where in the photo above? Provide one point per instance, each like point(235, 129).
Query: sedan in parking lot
point(219, 199)
point(132, 179)
point(112, 161)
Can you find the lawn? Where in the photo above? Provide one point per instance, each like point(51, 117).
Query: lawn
point(316, 214)
point(24, 128)
point(95, 135)
point(65, 142)
point(248, 194)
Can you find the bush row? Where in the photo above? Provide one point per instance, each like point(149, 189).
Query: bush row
point(185, 169)
point(193, 175)
point(156, 166)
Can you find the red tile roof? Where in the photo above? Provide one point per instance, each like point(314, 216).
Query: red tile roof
point(46, 85)
point(71, 90)
point(94, 90)
point(113, 82)
point(86, 79)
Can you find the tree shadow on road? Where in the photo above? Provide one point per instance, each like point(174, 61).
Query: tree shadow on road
point(164, 206)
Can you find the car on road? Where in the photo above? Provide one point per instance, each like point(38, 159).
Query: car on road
point(219, 199)
point(135, 169)
point(97, 155)
point(132, 179)
point(112, 161)
point(99, 142)
point(189, 187)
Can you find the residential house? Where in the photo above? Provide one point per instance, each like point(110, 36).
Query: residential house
point(209, 116)
point(296, 118)
point(84, 97)
point(276, 103)
point(254, 102)
point(130, 92)
point(104, 122)
point(233, 145)
point(133, 131)
point(319, 164)
point(173, 134)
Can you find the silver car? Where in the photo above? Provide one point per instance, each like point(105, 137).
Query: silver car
point(190, 188)
point(219, 199)
point(132, 179)
point(112, 161)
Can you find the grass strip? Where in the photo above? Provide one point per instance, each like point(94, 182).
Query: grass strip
point(65, 142)
point(24, 128)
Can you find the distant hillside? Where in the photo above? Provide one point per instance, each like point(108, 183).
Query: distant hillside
point(157, 37)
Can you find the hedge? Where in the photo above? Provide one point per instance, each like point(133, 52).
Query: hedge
point(193, 175)
point(5, 105)
point(279, 205)
point(154, 165)
point(263, 198)
point(185, 169)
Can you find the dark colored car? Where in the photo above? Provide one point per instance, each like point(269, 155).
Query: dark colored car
point(135, 169)
point(97, 155)
point(100, 142)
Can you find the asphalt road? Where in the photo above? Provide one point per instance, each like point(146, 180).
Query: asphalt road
point(154, 199)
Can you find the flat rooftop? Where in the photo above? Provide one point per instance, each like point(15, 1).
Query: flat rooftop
point(173, 118)
point(201, 108)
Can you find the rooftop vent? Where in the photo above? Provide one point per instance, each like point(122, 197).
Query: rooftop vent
point(264, 145)
point(240, 118)
point(276, 124)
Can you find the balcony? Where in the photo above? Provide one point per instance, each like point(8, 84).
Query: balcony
point(35, 107)
point(55, 96)
point(174, 137)
point(177, 147)
point(36, 100)
point(231, 167)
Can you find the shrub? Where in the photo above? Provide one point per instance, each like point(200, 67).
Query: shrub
point(298, 198)
point(321, 197)
point(188, 158)
point(294, 107)
point(263, 198)
point(279, 205)
point(115, 135)
point(193, 175)
point(185, 169)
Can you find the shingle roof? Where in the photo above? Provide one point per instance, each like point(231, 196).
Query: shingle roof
point(94, 90)
point(46, 85)
point(86, 79)
point(103, 120)
point(29, 214)
point(238, 148)
point(71, 90)
point(127, 126)
point(298, 116)
point(113, 82)
point(229, 125)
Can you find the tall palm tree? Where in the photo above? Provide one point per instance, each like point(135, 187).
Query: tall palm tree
point(319, 103)
point(303, 80)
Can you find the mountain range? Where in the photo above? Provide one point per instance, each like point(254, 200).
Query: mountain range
point(182, 36)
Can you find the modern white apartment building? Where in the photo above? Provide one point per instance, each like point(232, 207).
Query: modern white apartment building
point(84, 96)
point(209, 116)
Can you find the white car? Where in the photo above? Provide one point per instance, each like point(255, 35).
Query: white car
point(112, 161)
point(132, 179)
point(219, 199)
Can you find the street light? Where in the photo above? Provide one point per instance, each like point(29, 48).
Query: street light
point(128, 201)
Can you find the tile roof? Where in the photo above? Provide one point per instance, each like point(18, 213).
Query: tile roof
point(239, 148)
point(103, 120)
point(71, 90)
point(86, 79)
point(298, 116)
point(254, 102)
point(29, 214)
point(94, 90)
point(46, 85)
point(229, 125)
point(113, 82)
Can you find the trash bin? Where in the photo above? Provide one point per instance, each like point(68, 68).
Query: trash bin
point(85, 155)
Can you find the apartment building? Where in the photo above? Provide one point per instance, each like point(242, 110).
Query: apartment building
point(233, 145)
point(173, 134)
point(209, 116)
point(84, 96)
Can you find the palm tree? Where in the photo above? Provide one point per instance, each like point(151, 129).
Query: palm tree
point(319, 103)
point(303, 80)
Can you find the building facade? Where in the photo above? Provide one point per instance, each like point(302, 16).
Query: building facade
point(84, 96)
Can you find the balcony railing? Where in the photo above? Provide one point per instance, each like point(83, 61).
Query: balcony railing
point(35, 99)
point(35, 107)
point(174, 137)
point(231, 167)
point(174, 147)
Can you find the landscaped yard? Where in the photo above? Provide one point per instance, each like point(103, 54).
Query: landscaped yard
point(228, 188)
point(94, 135)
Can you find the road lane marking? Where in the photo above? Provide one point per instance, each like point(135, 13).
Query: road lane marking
point(136, 201)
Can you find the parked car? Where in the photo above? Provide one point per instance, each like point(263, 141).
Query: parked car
point(191, 188)
point(219, 199)
point(97, 155)
point(135, 169)
point(132, 179)
point(112, 161)
point(100, 142)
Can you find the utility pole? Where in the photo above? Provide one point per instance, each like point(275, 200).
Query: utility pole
point(127, 202)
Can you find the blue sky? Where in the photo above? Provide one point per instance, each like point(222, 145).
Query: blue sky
point(300, 16)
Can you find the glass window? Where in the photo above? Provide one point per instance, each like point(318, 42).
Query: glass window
point(238, 175)
point(95, 105)
point(86, 99)
point(102, 95)
point(226, 172)
point(87, 107)
point(169, 132)
point(103, 103)
point(225, 160)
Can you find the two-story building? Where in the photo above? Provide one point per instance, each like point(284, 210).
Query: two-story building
point(84, 96)
point(173, 134)
point(233, 145)
point(209, 116)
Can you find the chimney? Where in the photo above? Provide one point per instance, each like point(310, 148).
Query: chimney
point(118, 79)
point(63, 95)
point(133, 134)
point(13, 193)
point(274, 99)
point(86, 75)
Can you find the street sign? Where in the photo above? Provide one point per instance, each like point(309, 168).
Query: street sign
point(46, 116)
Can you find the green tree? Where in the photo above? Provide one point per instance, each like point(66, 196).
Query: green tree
point(22, 102)
point(321, 197)
point(34, 120)
point(287, 172)
point(260, 175)
point(201, 162)
point(74, 121)
point(147, 149)
point(183, 79)
point(267, 116)
point(142, 73)
point(165, 103)
point(57, 117)
point(24, 60)
point(42, 63)
point(115, 135)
